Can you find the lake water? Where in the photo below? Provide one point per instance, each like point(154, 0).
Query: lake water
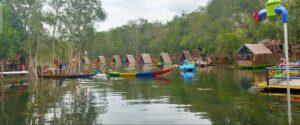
point(216, 95)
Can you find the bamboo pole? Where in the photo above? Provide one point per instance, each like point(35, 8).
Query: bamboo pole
point(287, 72)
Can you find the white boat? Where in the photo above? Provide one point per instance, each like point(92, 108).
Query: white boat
point(14, 73)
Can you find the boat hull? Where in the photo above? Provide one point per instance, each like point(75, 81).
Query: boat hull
point(73, 76)
point(127, 74)
point(139, 74)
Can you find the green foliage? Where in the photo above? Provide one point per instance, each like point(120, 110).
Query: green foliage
point(219, 28)
point(9, 37)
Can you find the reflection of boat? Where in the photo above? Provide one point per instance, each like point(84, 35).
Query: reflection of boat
point(66, 76)
point(163, 79)
point(278, 101)
point(139, 74)
point(278, 94)
point(188, 76)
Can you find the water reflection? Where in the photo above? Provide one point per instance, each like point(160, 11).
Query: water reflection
point(188, 76)
point(249, 78)
point(277, 102)
point(117, 67)
point(130, 67)
point(160, 100)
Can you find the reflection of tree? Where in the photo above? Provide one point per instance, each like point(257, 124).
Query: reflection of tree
point(249, 77)
point(13, 103)
point(57, 103)
point(81, 106)
point(3, 113)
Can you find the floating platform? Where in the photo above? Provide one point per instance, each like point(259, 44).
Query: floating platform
point(276, 84)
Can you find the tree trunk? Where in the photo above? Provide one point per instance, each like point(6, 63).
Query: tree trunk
point(30, 65)
point(53, 40)
point(2, 68)
point(79, 61)
point(35, 58)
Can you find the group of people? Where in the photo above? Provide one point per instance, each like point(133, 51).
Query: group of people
point(197, 60)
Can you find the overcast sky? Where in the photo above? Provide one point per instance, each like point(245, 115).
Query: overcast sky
point(119, 12)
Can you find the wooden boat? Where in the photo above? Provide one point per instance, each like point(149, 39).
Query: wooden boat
point(66, 76)
point(139, 74)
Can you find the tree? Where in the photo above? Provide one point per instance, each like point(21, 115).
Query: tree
point(9, 38)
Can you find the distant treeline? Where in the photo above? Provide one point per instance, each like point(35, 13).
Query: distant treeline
point(46, 30)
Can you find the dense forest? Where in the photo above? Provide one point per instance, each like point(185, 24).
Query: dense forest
point(46, 30)
point(220, 28)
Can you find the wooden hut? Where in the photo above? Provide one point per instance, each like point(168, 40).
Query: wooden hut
point(145, 59)
point(276, 47)
point(129, 59)
point(184, 55)
point(295, 50)
point(101, 60)
point(253, 56)
point(165, 58)
point(116, 59)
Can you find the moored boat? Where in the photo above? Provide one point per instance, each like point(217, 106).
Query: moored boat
point(66, 76)
point(139, 74)
point(187, 67)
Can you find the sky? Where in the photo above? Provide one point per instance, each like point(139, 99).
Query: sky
point(119, 12)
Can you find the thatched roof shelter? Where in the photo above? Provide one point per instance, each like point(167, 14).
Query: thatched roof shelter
point(116, 59)
point(129, 59)
point(101, 59)
point(145, 59)
point(256, 49)
point(254, 55)
point(165, 58)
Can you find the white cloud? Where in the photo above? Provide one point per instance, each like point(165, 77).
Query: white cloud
point(121, 11)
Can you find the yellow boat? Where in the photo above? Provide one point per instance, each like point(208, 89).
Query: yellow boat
point(127, 74)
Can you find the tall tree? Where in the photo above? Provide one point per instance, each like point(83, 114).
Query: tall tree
point(9, 37)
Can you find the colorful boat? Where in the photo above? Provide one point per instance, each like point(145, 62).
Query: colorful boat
point(67, 76)
point(139, 74)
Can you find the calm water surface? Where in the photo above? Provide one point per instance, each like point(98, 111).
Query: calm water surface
point(216, 95)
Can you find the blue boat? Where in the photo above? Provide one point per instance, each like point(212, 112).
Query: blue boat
point(186, 67)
